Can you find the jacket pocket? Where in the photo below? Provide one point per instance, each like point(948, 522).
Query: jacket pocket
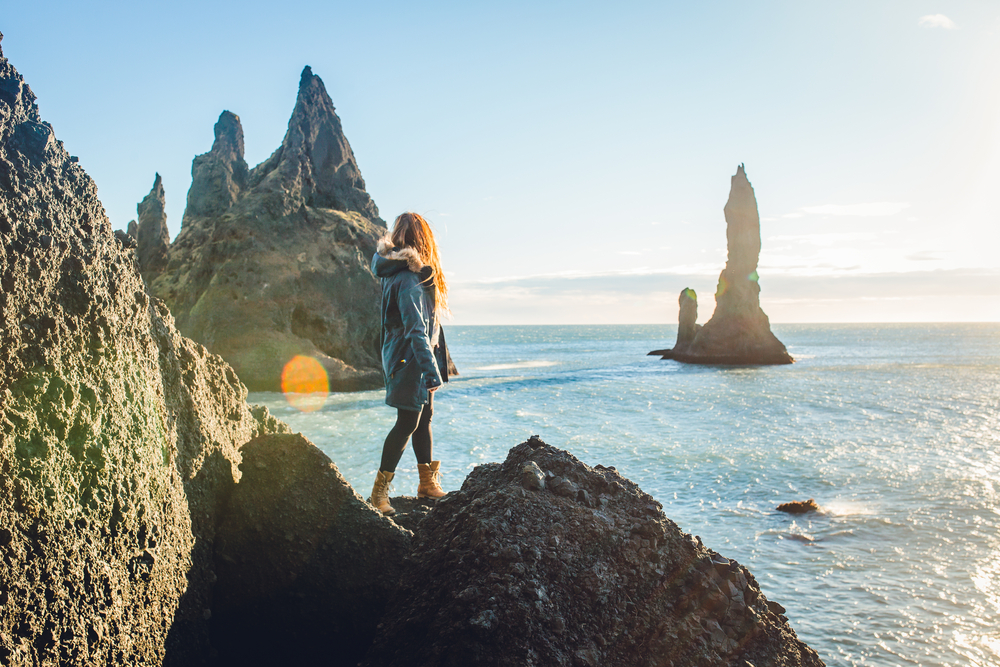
point(396, 367)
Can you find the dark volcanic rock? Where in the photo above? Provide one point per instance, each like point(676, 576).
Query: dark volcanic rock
point(274, 262)
point(305, 565)
point(687, 327)
point(118, 437)
point(219, 176)
point(152, 234)
point(799, 507)
point(739, 331)
point(542, 560)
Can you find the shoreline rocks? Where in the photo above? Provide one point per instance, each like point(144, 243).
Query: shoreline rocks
point(738, 333)
point(542, 560)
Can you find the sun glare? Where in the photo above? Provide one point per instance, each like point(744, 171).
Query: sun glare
point(304, 383)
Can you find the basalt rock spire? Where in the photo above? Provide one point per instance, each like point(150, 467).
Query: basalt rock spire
point(220, 175)
point(315, 163)
point(739, 331)
point(152, 235)
point(273, 262)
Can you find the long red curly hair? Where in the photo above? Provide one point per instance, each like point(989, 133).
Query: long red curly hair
point(411, 230)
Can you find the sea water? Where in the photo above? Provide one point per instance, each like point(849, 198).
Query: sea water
point(893, 429)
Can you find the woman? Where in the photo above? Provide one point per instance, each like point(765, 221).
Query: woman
point(414, 356)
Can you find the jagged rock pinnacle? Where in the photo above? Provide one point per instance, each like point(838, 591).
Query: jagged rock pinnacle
point(273, 262)
point(152, 235)
point(315, 165)
point(220, 175)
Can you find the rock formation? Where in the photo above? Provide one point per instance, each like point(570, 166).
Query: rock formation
point(118, 437)
point(305, 565)
point(687, 326)
point(273, 262)
point(542, 560)
point(739, 331)
point(151, 233)
point(799, 507)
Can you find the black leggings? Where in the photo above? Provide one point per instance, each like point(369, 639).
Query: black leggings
point(409, 423)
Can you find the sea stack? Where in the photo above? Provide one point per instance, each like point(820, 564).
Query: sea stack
point(273, 262)
point(739, 331)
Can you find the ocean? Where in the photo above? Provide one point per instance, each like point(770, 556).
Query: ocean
point(893, 429)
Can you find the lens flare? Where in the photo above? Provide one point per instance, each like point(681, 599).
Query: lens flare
point(723, 287)
point(304, 383)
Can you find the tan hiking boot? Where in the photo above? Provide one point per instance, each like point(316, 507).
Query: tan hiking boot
point(430, 481)
point(380, 493)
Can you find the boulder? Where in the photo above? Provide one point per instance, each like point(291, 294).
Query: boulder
point(118, 436)
point(799, 507)
point(739, 331)
point(305, 565)
point(273, 262)
point(543, 560)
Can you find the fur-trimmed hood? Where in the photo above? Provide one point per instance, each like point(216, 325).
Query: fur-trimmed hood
point(387, 250)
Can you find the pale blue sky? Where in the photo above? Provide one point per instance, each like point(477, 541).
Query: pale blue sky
point(575, 157)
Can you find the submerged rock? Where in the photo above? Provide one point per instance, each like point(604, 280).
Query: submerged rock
point(118, 437)
point(799, 507)
point(305, 565)
point(576, 567)
point(273, 262)
point(739, 331)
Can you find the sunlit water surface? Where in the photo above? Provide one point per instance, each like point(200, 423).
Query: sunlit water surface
point(893, 429)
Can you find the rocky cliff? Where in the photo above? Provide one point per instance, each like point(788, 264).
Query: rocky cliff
point(273, 262)
point(118, 437)
point(739, 331)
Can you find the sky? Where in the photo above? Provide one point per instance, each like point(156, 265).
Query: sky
point(575, 157)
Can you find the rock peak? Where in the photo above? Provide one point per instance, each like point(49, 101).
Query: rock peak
point(218, 176)
point(315, 165)
point(152, 235)
point(228, 134)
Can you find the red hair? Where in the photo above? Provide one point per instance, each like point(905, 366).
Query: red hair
point(410, 230)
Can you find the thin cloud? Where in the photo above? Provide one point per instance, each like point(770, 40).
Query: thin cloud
point(937, 21)
point(825, 239)
point(925, 256)
point(873, 209)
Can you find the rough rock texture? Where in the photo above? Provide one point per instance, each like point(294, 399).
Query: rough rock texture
point(118, 437)
point(739, 331)
point(799, 507)
point(687, 326)
point(151, 232)
point(542, 560)
point(305, 565)
point(274, 262)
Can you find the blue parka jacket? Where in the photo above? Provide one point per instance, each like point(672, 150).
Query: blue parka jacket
point(414, 356)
